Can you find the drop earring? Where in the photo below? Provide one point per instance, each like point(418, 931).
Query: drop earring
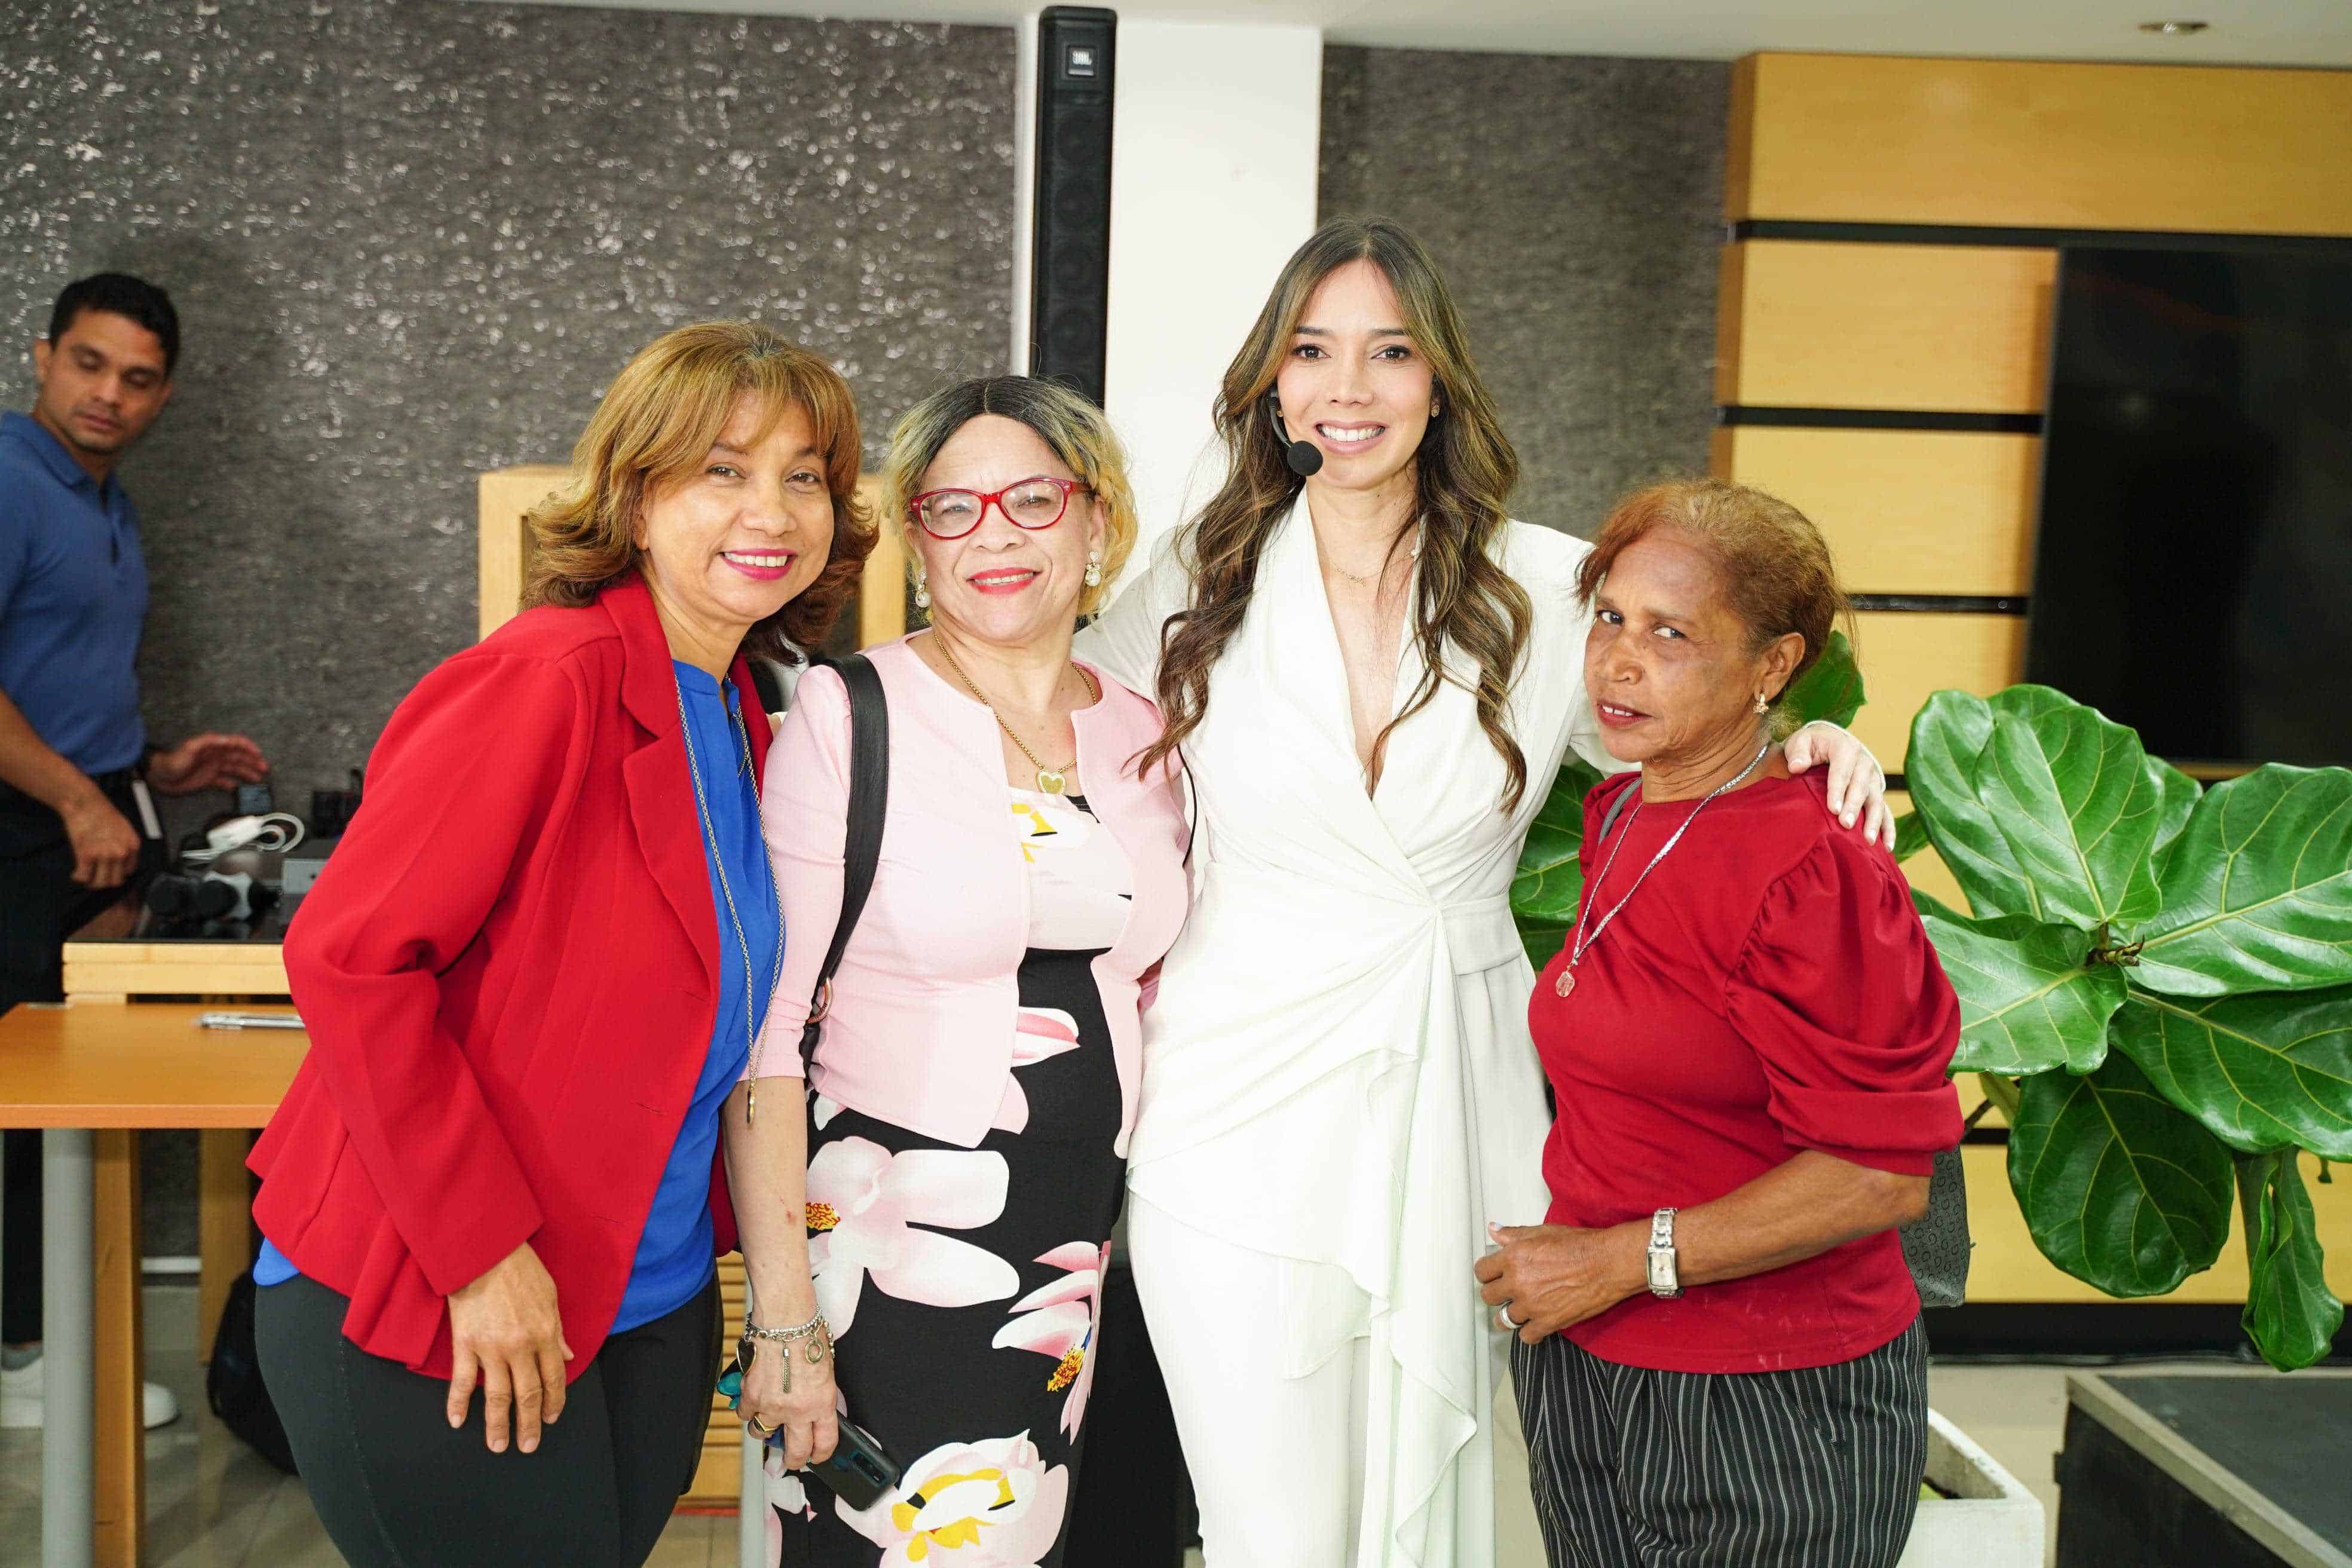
point(1094, 571)
point(1762, 705)
point(922, 591)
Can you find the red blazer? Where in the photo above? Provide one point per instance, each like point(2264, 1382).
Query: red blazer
point(508, 969)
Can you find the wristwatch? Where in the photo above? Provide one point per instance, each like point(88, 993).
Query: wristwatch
point(1664, 1283)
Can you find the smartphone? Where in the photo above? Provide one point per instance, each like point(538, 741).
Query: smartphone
point(860, 1471)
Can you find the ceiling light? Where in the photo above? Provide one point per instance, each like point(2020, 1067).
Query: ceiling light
point(2174, 29)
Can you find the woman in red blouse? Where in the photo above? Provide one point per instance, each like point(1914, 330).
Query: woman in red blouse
point(1747, 1034)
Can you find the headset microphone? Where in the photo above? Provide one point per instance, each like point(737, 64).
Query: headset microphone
point(1305, 457)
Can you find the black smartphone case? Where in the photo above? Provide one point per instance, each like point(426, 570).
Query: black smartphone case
point(859, 1471)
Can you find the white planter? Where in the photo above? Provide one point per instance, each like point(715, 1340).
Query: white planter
point(1989, 1522)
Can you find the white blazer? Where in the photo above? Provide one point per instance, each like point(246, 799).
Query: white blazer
point(1337, 1071)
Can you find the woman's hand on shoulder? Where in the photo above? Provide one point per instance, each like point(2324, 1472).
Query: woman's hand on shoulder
point(1858, 785)
point(803, 1417)
point(506, 1333)
point(1554, 1276)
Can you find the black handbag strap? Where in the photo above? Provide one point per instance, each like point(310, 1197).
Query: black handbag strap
point(861, 844)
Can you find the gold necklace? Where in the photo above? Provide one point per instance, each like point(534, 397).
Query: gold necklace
point(1050, 781)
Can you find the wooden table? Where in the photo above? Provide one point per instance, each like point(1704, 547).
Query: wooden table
point(91, 1077)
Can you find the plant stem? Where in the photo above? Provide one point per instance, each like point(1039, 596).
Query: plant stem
point(2253, 1172)
point(2002, 1093)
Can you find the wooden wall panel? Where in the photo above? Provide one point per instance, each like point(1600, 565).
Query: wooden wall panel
point(2041, 145)
point(1906, 512)
point(1908, 658)
point(1935, 327)
point(505, 496)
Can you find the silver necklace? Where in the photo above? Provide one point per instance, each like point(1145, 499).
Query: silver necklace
point(1578, 942)
point(751, 1041)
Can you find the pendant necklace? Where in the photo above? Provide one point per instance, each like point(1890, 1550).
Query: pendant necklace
point(1578, 942)
point(1050, 781)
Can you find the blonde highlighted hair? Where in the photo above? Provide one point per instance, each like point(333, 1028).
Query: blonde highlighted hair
point(1077, 432)
point(655, 426)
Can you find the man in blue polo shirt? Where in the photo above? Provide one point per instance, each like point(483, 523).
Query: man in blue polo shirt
point(73, 593)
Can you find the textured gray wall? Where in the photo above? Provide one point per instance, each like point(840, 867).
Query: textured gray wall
point(1576, 206)
point(411, 241)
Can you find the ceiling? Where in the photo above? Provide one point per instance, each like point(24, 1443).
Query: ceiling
point(2243, 32)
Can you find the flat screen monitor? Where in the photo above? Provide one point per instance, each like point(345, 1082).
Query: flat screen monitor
point(2193, 560)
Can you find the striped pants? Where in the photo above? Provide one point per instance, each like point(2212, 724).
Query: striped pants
point(1812, 1468)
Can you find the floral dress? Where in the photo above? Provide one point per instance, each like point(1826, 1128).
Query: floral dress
point(963, 1285)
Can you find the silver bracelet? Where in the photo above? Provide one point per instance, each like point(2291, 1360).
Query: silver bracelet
point(784, 1336)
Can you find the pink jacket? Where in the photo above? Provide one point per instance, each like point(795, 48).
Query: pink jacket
point(920, 1031)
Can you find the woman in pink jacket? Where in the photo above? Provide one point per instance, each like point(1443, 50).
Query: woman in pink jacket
point(975, 1082)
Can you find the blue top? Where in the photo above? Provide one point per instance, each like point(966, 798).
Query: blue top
point(73, 592)
point(674, 1251)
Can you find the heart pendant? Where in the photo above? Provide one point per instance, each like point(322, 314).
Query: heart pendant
point(1050, 783)
point(1567, 981)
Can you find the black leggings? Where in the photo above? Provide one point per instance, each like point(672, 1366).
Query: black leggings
point(396, 1488)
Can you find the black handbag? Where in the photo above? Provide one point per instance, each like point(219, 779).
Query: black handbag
point(233, 1384)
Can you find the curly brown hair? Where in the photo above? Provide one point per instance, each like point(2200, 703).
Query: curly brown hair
point(1463, 475)
point(655, 424)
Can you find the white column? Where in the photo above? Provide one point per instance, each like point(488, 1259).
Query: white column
point(1215, 141)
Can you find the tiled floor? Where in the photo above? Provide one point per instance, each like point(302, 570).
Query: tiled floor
point(212, 1503)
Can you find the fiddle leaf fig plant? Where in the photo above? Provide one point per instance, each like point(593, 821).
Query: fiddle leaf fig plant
point(2154, 982)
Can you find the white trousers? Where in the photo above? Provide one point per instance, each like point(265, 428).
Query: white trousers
point(1277, 1462)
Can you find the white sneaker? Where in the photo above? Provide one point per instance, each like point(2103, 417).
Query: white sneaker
point(20, 1395)
point(22, 1404)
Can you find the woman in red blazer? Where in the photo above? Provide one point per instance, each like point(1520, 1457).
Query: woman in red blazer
point(533, 972)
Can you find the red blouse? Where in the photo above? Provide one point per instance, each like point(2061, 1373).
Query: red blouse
point(1768, 989)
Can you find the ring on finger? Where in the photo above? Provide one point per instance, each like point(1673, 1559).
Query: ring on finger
point(1504, 1321)
point(759, 1431)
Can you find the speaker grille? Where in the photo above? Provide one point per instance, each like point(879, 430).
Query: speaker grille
point(1070, 282)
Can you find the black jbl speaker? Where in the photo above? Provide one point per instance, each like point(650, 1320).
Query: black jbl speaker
point(1070, 284)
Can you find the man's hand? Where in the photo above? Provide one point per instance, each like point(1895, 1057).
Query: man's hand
point(207, 761)
point(105, 845)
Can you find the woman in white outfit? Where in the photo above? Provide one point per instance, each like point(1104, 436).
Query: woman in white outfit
point(1371, 678)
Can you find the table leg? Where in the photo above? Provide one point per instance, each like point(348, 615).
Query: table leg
point(224, 1245)
point(118, 1435)
point(67, 1347)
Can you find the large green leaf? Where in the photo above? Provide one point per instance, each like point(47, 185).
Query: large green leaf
point(2258, 889)
point(2119, 1188)
point(1947, 737)
point(2028, 1002)
point(2072, 795)
point(2262, 1071)
point(1830, 690)
point(1548, 881)
point(2291, 1315)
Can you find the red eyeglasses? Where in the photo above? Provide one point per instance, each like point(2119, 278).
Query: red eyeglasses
point(1034, 503)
